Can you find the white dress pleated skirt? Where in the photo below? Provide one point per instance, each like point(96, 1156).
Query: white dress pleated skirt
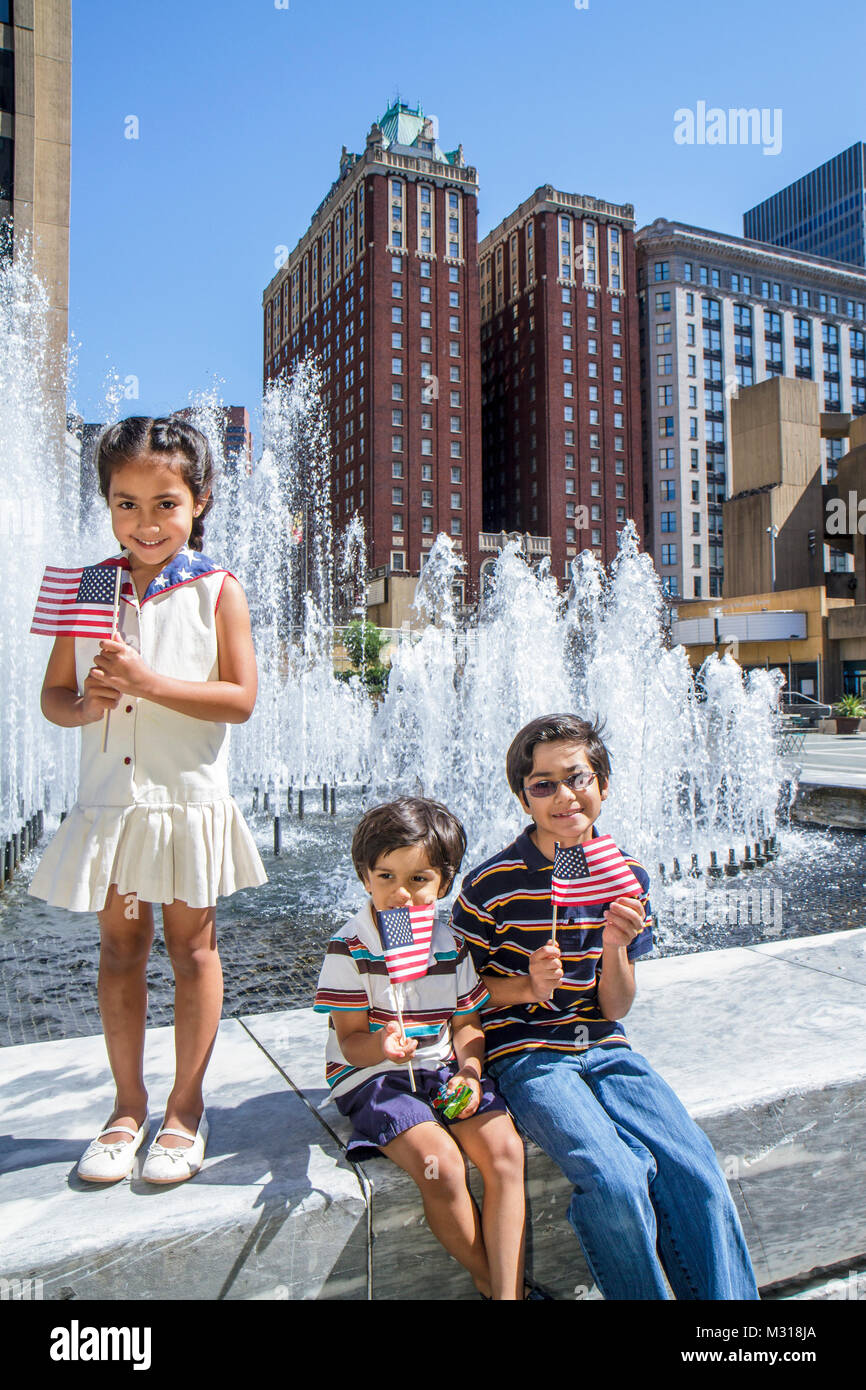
point(154, 814)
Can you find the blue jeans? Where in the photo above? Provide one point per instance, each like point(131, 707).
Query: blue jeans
point(648, 1192)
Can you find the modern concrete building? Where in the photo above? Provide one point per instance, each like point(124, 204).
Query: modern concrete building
point(383, 287)
point(845, 529)
point(560, 377)
point(35, 58)
point(774, 518)
point(719, 313)
point(823, 213)
point(795, 553)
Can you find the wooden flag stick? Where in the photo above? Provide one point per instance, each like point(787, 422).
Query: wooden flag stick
point(398, 996)
point(117, 579)
point(553, 936)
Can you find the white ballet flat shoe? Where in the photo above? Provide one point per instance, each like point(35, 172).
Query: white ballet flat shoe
point(111, 1162)
point(176, 1165)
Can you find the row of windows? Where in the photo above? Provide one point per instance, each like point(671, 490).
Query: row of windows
point(426, 498)
point(425, 297)
point(769, 289)
point(426, 471)
point(426, 523)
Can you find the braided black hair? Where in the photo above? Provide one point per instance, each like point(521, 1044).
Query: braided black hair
point(171, 435)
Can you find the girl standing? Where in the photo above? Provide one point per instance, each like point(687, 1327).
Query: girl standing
point(154, 821)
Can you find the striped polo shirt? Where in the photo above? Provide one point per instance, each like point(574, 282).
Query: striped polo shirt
point(354, 976)
point(504, 913)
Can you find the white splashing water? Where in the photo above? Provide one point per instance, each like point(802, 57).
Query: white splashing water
point(694, 767)
point(38, 524)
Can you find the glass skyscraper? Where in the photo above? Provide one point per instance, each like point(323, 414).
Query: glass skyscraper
point(823, 213)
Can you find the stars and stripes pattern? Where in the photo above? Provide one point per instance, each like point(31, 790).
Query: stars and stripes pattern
point(406, 935)
point(594, 872)
point(186, 565)
point(78, 602)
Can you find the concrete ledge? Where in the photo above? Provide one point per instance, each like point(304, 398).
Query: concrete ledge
point(816, 804)
point(766, 1046)
point(276, 1212)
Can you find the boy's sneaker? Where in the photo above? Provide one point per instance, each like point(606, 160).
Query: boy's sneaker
point(535, 1292)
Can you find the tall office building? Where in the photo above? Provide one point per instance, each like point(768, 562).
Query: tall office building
point(559, 365)
point(383, 287)
point(718, 313)
point(35, 58)
point(823, 213)
point(239, 439)
point(237, 450)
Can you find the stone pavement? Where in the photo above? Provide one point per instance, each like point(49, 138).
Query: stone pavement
point(832, 781)
point(765, 1044)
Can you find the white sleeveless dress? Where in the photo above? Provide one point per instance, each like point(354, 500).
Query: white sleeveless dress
point(154, 813)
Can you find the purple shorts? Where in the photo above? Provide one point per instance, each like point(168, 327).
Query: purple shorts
point(384, 1107)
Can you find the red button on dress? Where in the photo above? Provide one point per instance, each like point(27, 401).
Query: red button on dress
point(127, 760)
point(129, 709)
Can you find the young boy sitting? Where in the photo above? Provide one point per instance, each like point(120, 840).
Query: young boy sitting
point(406, 853)
point(649, 1197)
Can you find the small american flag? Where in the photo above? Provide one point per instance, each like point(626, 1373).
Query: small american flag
point(406, 935)
point(78, 602)
point(594, 872)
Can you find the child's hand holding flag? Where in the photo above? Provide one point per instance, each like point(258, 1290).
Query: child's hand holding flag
point(407, 933)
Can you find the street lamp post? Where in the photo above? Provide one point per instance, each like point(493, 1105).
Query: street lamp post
point(772, 532)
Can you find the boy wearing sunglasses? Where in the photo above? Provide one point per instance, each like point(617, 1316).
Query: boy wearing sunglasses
point(649, 1200)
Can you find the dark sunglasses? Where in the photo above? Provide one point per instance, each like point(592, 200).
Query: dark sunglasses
point(577, 782)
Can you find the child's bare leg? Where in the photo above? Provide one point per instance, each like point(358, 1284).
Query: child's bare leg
point(430, 1156)
point(190, 939)
point(126, 935)
point(495, 1147)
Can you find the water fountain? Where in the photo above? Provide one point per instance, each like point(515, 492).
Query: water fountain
point(709, 779)
point(694, 766)
point(38, 513)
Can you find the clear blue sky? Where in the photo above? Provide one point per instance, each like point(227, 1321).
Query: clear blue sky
point(242, 109)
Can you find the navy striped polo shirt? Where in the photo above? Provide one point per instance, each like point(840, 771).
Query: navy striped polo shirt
point(504, 913)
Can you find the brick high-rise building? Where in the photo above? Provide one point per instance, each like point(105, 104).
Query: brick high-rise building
point(560, 374)
point(237, 450)
point(383, 287)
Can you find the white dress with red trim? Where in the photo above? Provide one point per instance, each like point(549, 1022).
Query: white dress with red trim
point(154, 813)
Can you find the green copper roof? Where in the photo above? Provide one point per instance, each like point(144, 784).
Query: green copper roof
point(404, 125)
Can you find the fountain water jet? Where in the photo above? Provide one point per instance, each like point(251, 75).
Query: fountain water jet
point(693, 761)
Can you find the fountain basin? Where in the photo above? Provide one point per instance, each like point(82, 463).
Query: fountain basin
point(278, 1213)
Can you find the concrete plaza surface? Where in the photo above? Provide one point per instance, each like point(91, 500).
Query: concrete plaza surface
point(765, 1044)
point(831, 776)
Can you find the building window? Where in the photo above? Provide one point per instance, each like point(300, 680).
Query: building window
point(396, 521)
